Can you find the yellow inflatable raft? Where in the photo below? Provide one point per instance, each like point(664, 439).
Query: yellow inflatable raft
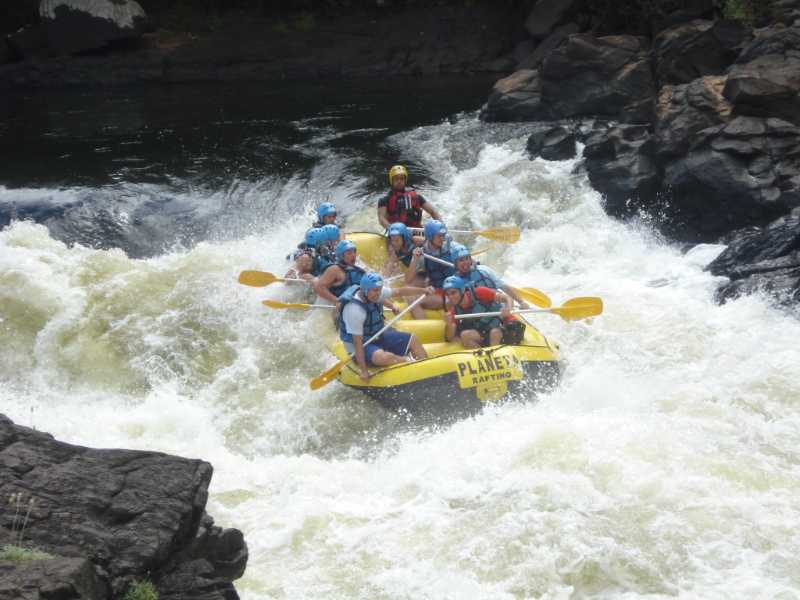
point(451, 379)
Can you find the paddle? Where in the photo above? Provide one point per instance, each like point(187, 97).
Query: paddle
point(506, 235)
point(276, 304)
point(261, 279)
point(298, 305)
point(572, 310)
point(328, 376)
point(531, 295)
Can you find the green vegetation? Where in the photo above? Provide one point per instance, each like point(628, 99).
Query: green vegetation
point(22, 512)
point(18, 553)
point(750, 12)
point(141, 590)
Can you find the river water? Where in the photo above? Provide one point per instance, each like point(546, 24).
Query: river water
point(666, 465)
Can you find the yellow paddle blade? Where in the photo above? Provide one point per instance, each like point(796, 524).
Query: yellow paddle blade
point(329, 375)
point(257, 278)
point(535, 296)
point(579, 308)
point(276, 304)
point(507, 235)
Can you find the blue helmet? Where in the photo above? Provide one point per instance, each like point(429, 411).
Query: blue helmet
point(325, 209)
point(330, 232)
point(399, 229)
point(434, 227)
point(454, 282)
point(314, 237)
point(458, 251)
point(370, 281)
point(343, 247)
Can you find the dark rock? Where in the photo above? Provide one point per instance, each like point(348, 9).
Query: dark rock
point(79, 25)
point(523, 50)
point(686, 52)
point(762, 260)
point(681, 12)
point(53, 578)
point(785, 11)
point(28, 42)
point(683, 111)
point(744, 173)
point(603, 77)
point(549, 14)
point(5, 52)
point(620, 161)
point(550, 43)
point(765, 81)
point(131, 513)
point(552, 141)
point(517, 97)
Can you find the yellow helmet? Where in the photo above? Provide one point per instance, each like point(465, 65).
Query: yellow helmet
point(397, 170)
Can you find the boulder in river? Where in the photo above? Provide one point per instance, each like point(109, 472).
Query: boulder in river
point(131, 514)
point(762, 259)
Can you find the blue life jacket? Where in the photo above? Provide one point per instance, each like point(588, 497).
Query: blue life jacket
point(438, 272)
point(352, 276)
point(483, 323)
point(374, 321)
point(477, 278)
point(321, 262)
point(406, 254)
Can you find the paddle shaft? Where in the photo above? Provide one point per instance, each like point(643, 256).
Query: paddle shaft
point(513, 312)
point(475, 231)
point(390, 323)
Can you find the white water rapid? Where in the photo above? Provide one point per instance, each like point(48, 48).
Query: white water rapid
point(666, 465)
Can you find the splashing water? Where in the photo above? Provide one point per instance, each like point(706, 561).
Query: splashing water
point(665, 465)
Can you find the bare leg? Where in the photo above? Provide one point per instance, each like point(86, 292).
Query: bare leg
point(382, 358)
point(495, 336)
point(417, 349)
point(433, 301)
point(470, 339)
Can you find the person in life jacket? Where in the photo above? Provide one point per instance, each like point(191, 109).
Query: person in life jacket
point(403, 204)
point(332, 234)
point(483, 331)
point(326, 215)
point(401, 244)
point(311, 256)
point(437, 244)
point(303, 265)
point(476, 275)
point(339, 275)
point(362, 317)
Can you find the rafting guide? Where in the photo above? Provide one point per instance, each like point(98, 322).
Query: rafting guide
point(403, 204)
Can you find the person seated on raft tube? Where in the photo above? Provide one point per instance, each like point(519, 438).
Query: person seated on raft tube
point(437, 243)
point(340, 275)
point(303, 265)
point(362, 317)
point(326, 215)
point(476, 275)
point(403, 204)
point(484, 331)
point(324, 253)
point(312, 255)
point(400, 246)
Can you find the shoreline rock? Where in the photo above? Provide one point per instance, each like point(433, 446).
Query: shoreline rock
point(110, 517)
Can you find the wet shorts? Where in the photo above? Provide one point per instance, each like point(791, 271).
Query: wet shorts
point(392, 341)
